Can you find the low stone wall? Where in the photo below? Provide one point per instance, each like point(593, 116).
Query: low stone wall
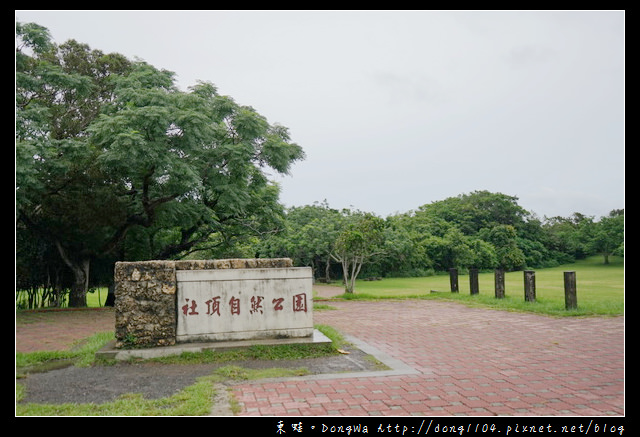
point(146, 296)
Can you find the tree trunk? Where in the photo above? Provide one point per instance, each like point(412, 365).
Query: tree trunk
point(327, 270)
point(80, 270)
point(357, 265)
point(350, 271)
point(111, 296)
point(78, 294)
point(345, 274)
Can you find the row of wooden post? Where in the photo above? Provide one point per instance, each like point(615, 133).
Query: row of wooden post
point(570, 297)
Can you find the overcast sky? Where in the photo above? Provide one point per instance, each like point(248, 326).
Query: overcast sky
point(397, 109)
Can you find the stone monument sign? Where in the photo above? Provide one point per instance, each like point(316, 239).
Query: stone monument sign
point(161, 303)
point(240, 304)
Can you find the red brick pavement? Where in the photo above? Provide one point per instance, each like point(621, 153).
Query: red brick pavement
point(465, 361)
point(460, 361)
point(54, 330)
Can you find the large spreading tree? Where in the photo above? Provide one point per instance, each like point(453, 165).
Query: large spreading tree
point(113, 161)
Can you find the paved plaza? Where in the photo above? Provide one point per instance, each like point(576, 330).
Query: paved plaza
point(444, 359)
point(448, 359)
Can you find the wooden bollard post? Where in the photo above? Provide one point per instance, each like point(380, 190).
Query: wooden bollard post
point(499, 279)
point(473, 281)
point(529, 286)
point(570, 297)
point(453, 280)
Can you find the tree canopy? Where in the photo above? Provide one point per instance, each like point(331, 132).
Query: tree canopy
point(114, 162)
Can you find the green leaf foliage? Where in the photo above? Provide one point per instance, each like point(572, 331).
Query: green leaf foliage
point(114, 162)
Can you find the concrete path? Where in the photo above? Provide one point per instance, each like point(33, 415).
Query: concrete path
point(448, 360)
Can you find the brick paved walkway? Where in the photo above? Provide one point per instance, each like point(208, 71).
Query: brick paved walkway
point(459, 361)
point(447, 359)
point(38, 331)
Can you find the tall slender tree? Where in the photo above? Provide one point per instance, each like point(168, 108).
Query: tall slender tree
point(360, 239)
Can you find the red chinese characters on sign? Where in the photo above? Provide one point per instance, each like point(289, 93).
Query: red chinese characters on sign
point(234, 303)
point(256, 304)
point(277, 303)
point(299, 304)
point(213, 306)
point(190, 310)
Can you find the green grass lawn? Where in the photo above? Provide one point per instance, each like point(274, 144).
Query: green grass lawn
point(600, 289)
point(97, 297)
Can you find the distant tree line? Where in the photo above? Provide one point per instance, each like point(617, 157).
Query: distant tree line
point(480, 230)
point(114, 163)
